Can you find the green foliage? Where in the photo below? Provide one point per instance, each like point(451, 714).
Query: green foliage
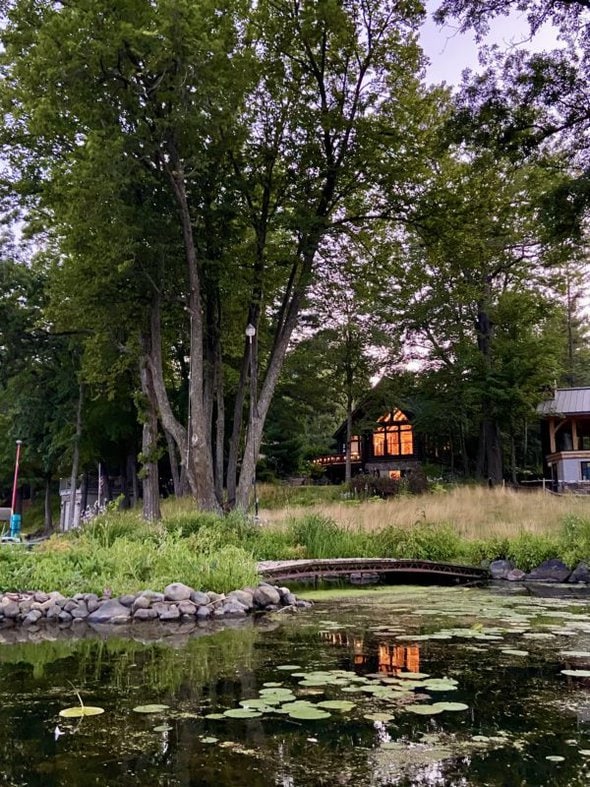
point(483, 551)
point(424, 541)
point(528, 550)
point(575, 540)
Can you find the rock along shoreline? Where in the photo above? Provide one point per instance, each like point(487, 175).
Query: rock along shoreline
point(177, 603)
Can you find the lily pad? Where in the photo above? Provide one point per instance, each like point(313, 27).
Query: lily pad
point(510, 652)
point(341, 705)
point(288, 667)
point(424, 710)
point(309, 714)
point(209, 739)
point(242, 713)
point(555, 758)
point(215, 716)
point(451, 706)
point(576, 673)
point(378, 716)
point(162, 728)
point(80, 710)
point(154, 708)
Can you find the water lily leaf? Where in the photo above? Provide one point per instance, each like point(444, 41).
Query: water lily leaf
point(208, 739)
point(215, 716)
point(341, 705)
point(378, 716)
point(451, 706)
point(555, 758)
point(154, 708)
point(584, 752)
point(162, 728)
point(288, 667)
point(510, 652)
point(424, 710)
point(576, 673)
point(242, 713)
point(412, 675)
point(309, 714)
point(80, 710)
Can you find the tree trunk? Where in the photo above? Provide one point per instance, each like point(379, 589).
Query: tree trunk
point(72, 520)
point(149, 451)
point(174, 469)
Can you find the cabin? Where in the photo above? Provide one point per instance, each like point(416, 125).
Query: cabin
point(386, 446)
point(565, 435)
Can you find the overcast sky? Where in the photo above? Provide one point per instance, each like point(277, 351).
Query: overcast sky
point(450, 52)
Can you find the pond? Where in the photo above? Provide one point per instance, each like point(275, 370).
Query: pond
point(398, 686)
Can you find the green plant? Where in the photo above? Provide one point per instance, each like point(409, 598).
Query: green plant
point(529, 550)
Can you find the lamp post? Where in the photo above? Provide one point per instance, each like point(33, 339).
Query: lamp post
point(251, 333)
point(15, 519)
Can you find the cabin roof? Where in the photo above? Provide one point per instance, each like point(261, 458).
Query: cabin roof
point(566, 401)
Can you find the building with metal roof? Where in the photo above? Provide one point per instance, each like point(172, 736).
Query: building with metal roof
point(566, 438)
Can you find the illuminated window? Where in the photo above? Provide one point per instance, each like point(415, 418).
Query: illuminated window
point(394, 437)
point(379, 443)
point(355, 445)
point(395, 474)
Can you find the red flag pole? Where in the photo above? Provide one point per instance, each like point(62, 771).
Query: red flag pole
point(15, 482)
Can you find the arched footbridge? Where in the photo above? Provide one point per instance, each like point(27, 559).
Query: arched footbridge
point(371, 570)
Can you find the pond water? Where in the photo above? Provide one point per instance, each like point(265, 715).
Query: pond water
point(404, 686)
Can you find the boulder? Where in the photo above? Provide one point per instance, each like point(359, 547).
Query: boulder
point(145, 614)
point(233, 608)
point(141, 602)
point(187, 608)
point(80, 612)
point(290, 599)
point(108, 611)
point(177, 591)
point(199, 598)
point(11, 610)
point(203, 613)
point(550, 571)
point(499, 569)
point(127, 600)
point(245, 598)
point(172, 613)
point(581, 573)
point(515, 575)
point(266, 595)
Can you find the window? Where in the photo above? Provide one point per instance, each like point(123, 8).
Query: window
point(585, 469)
point(395, 437)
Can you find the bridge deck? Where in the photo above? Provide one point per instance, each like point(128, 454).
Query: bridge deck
point(282, 570)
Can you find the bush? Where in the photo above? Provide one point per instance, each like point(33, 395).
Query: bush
point(575, 540)
point(423, 541)
point(529, 550)
point(375, 486)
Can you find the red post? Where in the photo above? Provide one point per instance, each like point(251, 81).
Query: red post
point(15, 482)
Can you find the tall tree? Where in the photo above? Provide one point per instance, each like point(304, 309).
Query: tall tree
point(242, 134)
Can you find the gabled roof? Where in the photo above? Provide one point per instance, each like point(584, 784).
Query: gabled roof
point(567, 401)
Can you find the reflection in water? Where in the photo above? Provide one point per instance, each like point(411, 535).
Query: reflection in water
point(520, 710)
point(391, 659)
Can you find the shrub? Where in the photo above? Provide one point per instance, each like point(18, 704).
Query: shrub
point(528, 550)
point(423, 541)
point(575, 540)
point(375, 486)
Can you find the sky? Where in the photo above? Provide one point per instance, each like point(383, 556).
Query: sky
point(451, 52)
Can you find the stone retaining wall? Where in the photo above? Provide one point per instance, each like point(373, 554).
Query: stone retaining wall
point(178, 602)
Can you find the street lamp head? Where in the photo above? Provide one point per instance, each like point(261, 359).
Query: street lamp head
point(250, 331)
point(19, 442)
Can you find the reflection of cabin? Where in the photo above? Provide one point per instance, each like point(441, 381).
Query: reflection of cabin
point(387, 448)
point(566, 438)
